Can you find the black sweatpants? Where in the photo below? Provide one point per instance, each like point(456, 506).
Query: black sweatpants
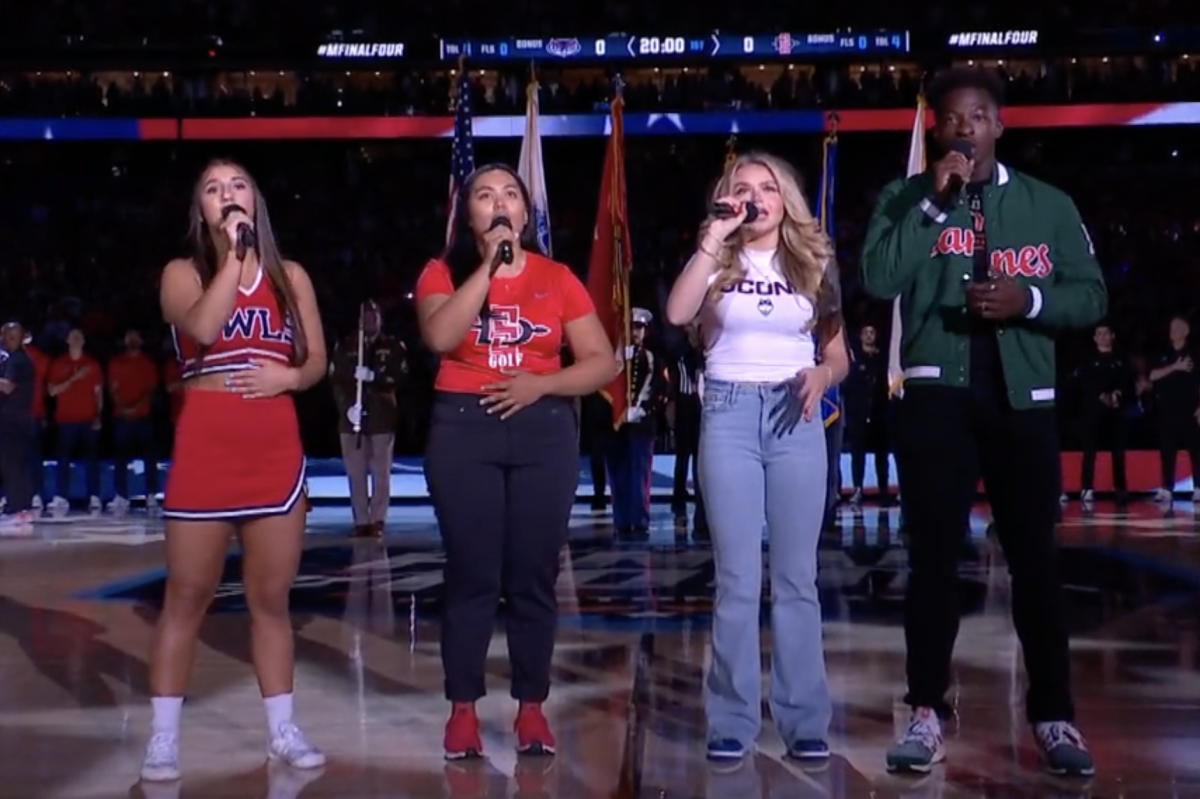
point(1101, 425)
point(946, 438)
point(17, 441)
point(1178, 430)
point(868, 434)
point(502, 492)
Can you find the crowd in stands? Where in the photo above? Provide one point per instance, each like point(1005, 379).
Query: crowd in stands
point(410, 92)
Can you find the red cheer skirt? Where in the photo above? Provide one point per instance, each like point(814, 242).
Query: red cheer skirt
point(234, 458)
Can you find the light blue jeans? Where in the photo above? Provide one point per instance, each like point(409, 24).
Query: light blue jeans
point(748, 478)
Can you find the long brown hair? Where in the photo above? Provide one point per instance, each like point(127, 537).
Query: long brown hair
point(806, 255)
point(204, 254)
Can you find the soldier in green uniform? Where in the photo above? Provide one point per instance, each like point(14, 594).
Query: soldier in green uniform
point(368, 421)
point(990, 266)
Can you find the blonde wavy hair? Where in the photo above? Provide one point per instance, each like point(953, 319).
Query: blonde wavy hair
point(806, 254)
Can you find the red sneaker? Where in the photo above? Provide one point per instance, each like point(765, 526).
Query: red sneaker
point(533, 731)
point(462, 733)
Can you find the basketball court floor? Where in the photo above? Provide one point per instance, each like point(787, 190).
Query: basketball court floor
point(78, 598)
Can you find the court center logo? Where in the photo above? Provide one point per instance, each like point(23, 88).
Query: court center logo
point(504, 332)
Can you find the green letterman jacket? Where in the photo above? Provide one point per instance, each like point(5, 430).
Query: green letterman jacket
point(923, 254)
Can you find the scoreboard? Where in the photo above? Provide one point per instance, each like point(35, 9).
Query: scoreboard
point(621, 47)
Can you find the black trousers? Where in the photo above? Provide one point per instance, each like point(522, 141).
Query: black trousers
point(1099, 426)
point(502, 492)
point(17, 441)
point(133, 438)
point(868, 434)
point(834, 437)
point(946, 439)
point(687, 444)
point(1178, 430)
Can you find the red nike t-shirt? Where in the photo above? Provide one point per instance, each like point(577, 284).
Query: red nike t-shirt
point(524, 330)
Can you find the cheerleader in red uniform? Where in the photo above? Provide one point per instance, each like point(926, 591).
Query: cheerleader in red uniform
point(248, 335)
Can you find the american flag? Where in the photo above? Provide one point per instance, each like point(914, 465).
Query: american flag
point(462, 154)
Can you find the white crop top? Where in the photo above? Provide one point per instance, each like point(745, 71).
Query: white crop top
point(759, 330)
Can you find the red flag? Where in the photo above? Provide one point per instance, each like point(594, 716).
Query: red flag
point(612, 254)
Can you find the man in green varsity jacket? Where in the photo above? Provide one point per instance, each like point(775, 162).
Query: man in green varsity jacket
point(990, 265)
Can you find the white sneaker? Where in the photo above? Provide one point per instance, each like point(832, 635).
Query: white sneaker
point(95, 505)
point(119, 506)
point(59, 506)
point(162, 758)
point(1162, 495)
point(289, 745)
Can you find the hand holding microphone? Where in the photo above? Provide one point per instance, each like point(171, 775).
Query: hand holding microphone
point(954, 171)
point(498, 243)
point(239, 230)
point(725, 216)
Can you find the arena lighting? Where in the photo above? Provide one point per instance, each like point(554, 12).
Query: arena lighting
point(723, 124)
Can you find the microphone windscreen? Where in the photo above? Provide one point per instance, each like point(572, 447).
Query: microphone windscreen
point(962, 146)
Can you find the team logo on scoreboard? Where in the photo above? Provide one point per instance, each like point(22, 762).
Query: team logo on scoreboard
point(563, 48)
point(783, 44)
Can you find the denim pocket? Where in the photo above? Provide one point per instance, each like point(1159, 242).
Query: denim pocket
point(718, 396)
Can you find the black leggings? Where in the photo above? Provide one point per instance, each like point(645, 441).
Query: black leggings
point(503, 492)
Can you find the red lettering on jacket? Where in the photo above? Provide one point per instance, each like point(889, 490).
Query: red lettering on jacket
point(954, 241)
point(1028, 261)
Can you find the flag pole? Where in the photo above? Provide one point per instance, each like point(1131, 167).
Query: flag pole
point(623, 274)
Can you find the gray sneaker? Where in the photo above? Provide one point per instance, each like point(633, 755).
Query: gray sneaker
point(1063, 751)
point(921, 747)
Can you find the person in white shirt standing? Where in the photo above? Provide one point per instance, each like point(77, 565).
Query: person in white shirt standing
point(764, 285)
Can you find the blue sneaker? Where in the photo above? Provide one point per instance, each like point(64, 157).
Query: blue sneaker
point(726, 749)
point(813, 749)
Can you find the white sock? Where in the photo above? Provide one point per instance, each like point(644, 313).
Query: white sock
point(279, 710)
point(166, 710)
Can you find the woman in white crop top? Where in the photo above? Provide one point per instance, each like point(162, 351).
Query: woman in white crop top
point(766, 295)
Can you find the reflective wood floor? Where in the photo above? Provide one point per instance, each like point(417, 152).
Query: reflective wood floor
point(78, 599)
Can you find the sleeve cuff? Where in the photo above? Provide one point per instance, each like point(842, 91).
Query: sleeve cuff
point(1035, 303)
point(933, 211)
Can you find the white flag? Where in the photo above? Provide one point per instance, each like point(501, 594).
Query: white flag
point(916, 165)
point(532, 170)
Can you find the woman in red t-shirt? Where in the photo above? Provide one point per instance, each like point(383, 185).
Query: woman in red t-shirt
point(503, 456)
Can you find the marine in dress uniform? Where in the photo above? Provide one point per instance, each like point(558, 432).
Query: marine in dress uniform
point(369, 450)
point(630, 452)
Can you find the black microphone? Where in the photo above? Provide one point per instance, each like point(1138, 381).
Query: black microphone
point(505, 251)
point(246, 238)
point(956, 182)
point(726, 211)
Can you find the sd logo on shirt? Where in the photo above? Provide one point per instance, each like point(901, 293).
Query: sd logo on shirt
point(504, 334)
